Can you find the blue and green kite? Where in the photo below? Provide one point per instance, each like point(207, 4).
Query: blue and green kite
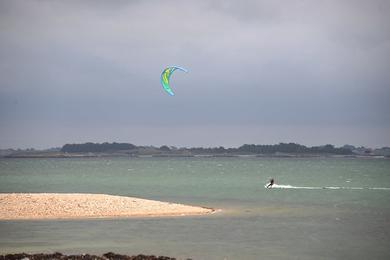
point(166, 75)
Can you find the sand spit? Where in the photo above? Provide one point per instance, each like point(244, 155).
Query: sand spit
point(15, 206)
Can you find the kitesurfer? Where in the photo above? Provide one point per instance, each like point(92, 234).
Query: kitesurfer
point(271, 182)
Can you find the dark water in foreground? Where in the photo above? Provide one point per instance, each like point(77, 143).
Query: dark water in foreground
point(349, 219)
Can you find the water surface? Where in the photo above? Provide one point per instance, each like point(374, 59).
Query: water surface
point(323, 208)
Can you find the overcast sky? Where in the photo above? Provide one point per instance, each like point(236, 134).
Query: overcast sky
point(264, 72)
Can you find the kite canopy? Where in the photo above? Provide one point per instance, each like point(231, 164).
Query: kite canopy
point(166, 75)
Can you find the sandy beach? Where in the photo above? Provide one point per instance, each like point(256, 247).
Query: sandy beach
point(15, 206)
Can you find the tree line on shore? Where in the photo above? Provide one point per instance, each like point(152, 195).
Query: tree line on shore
point(96, 147)
point(292, 148)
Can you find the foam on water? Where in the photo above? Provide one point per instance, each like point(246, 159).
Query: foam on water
point(279, 186)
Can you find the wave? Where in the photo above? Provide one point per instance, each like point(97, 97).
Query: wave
point(277, 186)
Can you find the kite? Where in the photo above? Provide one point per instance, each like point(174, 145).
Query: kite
point(166, 75)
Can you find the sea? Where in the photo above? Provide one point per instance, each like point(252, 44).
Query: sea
point(319, 208)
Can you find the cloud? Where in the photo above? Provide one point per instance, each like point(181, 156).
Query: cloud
point(262, 63)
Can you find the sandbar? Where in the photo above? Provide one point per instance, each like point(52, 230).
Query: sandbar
point(24, 206)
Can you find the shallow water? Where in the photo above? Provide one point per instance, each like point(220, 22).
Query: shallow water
point(321, 208)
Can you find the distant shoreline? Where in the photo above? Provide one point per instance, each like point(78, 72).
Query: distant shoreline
point(119, 155)
point(35, 206)
point(281, 150)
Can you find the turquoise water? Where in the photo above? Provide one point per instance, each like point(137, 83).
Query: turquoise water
point(300, 219)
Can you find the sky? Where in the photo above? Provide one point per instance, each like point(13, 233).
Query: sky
point(262, 72)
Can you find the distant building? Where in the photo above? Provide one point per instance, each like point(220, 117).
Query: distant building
point(362, 151)
point(384, 151)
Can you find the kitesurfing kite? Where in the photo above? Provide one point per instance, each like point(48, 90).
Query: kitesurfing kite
point(166, 75)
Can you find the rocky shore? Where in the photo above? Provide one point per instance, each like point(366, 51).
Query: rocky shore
point(59, 256)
